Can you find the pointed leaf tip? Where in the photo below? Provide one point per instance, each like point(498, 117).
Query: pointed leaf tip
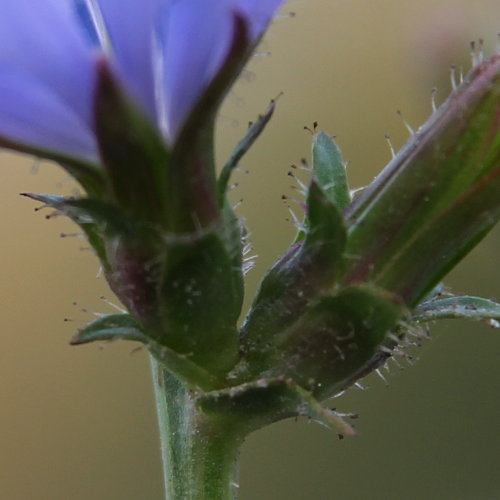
point(329, 168)
point(436, 199)
point(466, 307)
point(253, 133)
point(110, 327)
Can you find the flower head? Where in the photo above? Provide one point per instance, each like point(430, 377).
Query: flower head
point(124, 94)
point(164, 55)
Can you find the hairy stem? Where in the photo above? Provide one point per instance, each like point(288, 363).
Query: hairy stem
point(199, 451)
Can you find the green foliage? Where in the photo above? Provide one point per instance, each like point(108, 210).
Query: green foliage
point(134, 154)
point(305, 273)
point(253, 133)
point(475, 308)
point(436, 199)
point(110, 327)
point(330, 170)
point(200, 302)
point(336, 338)
point(257, 404)
point(336, 304)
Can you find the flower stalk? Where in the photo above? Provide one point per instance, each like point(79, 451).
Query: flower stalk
point(199, 451)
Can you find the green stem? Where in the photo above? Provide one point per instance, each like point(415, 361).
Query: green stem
point(199, 451)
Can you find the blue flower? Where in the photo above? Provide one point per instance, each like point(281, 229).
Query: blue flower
point(164, 54)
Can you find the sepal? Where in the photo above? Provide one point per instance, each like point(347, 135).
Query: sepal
point(110, 327)
point(336, 338)
point(96, 218)
point(195, 199)
point(253, 133)
point(330, 170)
point(134, 155)
point(200, 301)
point(306, 272)
point(185, 290)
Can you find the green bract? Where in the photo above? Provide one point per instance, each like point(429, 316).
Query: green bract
point(336, 304)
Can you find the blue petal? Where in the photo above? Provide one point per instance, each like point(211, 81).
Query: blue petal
point(43, 38)
point(130, 27)
point(166, 52)
point(84, 12)
point(32, 114)
point(194, 41)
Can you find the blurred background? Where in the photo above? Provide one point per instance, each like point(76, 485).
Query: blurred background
point(78, 422)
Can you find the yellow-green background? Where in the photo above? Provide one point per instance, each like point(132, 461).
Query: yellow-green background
point(78, 423)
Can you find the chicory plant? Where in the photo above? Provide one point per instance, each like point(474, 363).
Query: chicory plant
point(123, 95)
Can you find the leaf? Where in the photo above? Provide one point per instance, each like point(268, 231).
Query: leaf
point(307, 271)
point(241, 148)
point(110, 327)
point(125, 327)
point(232, 238)
point(326, 238)
point(466, 307)
point(330, 170)
point(267, 400)
point(86, 211)
point(437, 198)
point(439, 244)
point(200, 301)
point(96, 218)
point(336, 339)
